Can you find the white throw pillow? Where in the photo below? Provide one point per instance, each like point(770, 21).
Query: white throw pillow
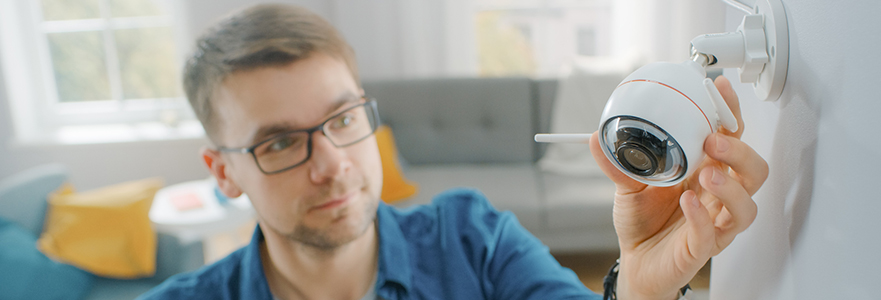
point(581, 97)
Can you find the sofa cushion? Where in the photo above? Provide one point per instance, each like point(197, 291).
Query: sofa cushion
point(578, 201)
point(172, 257)
point(579, 212)
point(511, 187)
point(25, 273)
point(581, 97)
point(458, 120)
point(77, 230)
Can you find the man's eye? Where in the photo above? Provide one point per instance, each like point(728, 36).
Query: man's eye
point(343, 121)
point(283, 143)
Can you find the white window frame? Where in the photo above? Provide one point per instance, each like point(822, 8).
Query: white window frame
point(38, 115)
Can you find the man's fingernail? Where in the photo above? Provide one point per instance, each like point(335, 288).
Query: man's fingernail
point(718, 177)
point(694, 201)
point(721, 144)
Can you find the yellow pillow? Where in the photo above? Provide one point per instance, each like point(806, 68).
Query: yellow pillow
point(105, 231)
point(394, 186)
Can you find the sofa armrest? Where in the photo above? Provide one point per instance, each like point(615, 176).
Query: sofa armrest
point(23, 195)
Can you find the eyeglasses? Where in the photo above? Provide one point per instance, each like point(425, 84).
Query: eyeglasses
point(288, 150)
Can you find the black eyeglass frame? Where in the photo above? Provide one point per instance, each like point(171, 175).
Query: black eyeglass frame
point(309, 132)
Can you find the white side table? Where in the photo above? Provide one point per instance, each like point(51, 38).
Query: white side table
point(198, 223)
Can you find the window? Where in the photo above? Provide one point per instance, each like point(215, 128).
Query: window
point(91, 64)
point(539, 37)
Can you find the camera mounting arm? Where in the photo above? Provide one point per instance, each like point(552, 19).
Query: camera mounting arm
point(743, 49)
point(759, 49)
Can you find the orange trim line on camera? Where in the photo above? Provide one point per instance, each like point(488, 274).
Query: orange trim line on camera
point(672, 88)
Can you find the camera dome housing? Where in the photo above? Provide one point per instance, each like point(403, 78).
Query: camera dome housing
point(655, 122)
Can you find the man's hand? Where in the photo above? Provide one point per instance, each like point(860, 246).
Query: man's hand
point(667, 234)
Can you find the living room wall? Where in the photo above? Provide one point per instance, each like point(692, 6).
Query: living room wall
point(816, 234)
point(96, 165)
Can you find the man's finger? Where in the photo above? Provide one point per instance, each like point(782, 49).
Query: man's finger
point(724, 87)
point(624, 183)
point(750, 167)
point(733, 196)
point(700, 233)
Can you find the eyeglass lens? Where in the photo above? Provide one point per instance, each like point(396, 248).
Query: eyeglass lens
point(343, 129)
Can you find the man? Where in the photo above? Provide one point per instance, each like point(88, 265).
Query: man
point(278, 93)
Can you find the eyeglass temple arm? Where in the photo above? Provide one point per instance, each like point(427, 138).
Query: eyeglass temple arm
point(236, 150)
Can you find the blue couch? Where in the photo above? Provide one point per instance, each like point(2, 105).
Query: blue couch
point(27, 274)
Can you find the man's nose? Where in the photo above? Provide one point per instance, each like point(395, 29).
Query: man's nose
point(328, 161)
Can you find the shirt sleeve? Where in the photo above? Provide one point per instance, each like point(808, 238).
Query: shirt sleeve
point(523, 268)
point(512, 263)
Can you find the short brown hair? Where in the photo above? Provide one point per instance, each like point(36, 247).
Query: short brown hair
point(260, 36)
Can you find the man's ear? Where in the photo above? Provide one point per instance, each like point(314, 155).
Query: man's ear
point(217, 166)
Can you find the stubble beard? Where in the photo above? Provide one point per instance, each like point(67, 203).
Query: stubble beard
point(326, 240)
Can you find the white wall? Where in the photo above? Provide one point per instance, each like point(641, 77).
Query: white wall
point(663, 30)
point(818, 231)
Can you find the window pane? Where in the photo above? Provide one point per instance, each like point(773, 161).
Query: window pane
point(79, 65)
point(503, 49)
point(134, 8)
point(54, 10)
point(539, 37)
point(147, 63)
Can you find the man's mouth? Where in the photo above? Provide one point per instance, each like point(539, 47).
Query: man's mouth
point(333, 202)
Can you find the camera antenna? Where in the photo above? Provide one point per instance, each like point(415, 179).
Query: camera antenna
point(739, 5)
point(582, 138)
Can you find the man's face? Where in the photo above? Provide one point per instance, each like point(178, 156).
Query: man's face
point(330, 199)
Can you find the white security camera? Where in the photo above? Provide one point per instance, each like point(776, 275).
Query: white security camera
point(654, 126)
point(655, 122)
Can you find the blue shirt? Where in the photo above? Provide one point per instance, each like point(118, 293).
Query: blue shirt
point(457, 247)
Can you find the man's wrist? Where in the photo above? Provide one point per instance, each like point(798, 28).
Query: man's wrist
point(685, 293)
point(611, 287)
point(610, 282)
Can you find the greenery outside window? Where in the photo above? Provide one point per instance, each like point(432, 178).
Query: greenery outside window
point(539, 37)
point(94, 63)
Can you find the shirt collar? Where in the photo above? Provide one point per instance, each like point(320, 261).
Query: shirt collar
point(255, 284)
point(394, 256)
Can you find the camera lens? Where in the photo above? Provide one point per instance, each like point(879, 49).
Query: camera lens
point(637, 159)
point(642, 149)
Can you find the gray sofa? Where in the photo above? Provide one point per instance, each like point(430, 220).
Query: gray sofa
point(478, 132)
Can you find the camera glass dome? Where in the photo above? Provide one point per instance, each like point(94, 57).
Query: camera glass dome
point(643, 149)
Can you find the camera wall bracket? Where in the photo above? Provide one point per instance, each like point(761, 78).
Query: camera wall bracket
point(759, 49)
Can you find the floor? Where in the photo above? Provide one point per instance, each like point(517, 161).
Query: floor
point(590, 267)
